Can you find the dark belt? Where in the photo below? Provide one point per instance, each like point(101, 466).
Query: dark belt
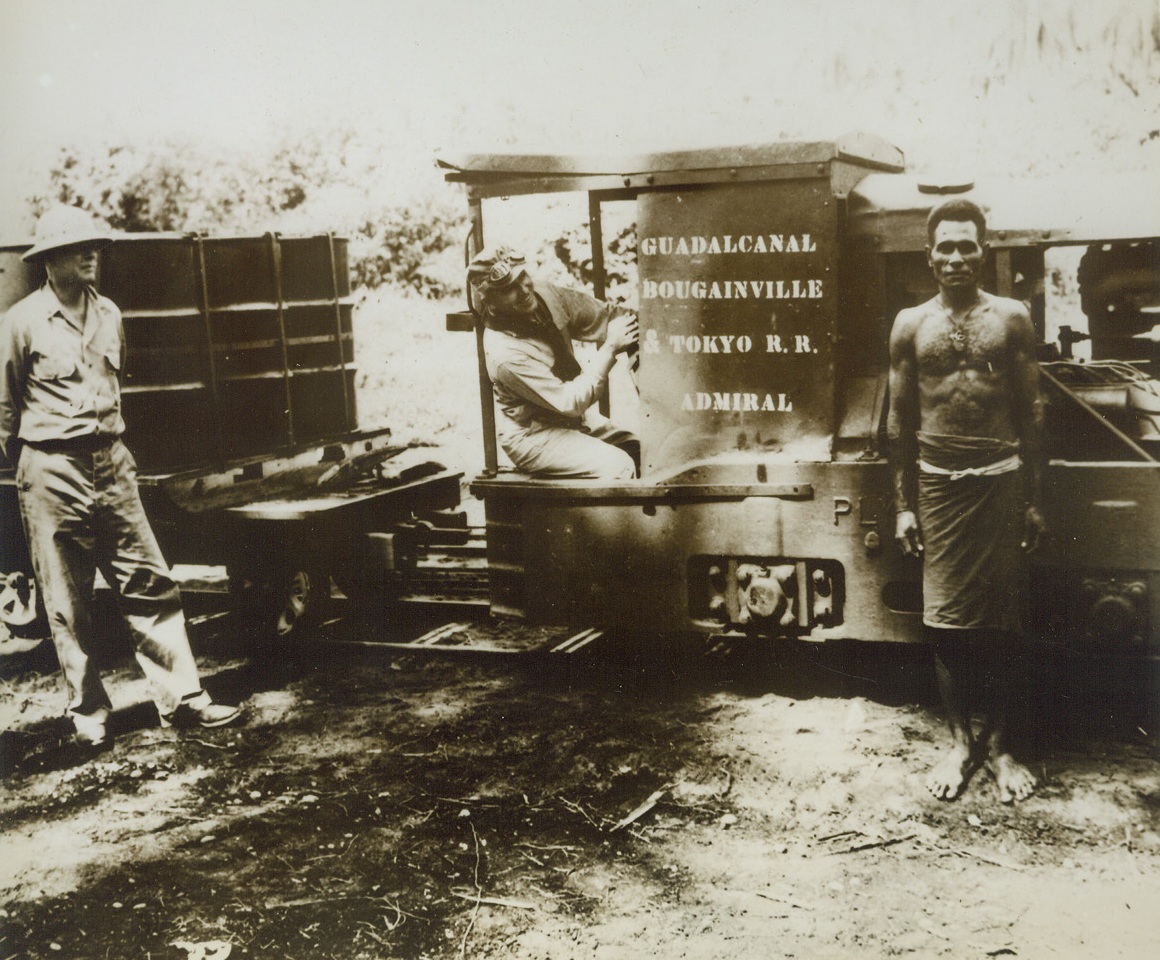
point(90, 443)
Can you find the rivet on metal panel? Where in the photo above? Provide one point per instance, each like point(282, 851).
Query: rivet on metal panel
point(821, 168)
point(733, 171)
point(650, 179)
point(628, 181)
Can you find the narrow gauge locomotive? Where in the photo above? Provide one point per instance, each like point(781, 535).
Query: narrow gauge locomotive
point(239, 396)
point(767, 280)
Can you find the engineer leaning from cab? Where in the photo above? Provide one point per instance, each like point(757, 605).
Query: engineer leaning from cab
point(548, 425)
point(61, 353)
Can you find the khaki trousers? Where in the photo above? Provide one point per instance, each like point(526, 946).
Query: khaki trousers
point(591, 453)
point(82, 512)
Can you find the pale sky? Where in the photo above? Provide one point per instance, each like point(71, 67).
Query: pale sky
point(586, 76)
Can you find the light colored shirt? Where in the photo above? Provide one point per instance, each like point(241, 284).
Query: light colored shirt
point(60, 375)
point(528, 393)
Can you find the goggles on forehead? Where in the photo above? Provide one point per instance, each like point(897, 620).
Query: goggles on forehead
point(506, 269)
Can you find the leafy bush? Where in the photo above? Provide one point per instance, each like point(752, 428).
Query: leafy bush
point(313, 184)
point(400, 245)
point(574, 250)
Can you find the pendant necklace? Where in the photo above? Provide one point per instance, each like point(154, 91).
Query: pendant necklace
point(958, 335)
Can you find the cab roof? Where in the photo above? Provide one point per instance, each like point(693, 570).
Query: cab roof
point(891, 209)
point(491, 174)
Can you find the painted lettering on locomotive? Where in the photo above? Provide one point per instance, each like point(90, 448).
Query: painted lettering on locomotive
point(767, 281)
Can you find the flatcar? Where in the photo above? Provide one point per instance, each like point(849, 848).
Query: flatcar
point(766, 281)
point(240, 401)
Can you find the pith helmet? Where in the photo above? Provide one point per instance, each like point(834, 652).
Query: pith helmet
point(65, 227)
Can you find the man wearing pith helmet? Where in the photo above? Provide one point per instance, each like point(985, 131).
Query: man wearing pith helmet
point(548, 424)
point(61, 353)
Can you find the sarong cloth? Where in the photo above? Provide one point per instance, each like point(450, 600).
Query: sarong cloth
point(974, 573)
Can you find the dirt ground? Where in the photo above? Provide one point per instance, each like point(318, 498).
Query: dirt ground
point(653, 801)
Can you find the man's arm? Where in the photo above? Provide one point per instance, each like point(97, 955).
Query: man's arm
point(529, 377)
point(11, 388)
point(901, 428)
point(587, 319)
point(1028, 415)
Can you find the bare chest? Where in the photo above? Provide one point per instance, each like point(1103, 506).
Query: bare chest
point(973, 339)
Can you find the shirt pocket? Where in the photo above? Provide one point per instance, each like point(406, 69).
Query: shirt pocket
point(47, 367)
point(113, 359)
point(53, 385)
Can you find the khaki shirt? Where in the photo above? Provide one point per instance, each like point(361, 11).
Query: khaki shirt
point(59, 380)
point(528, 393)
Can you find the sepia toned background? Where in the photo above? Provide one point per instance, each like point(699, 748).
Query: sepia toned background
point(636, 805)
point(307, 117)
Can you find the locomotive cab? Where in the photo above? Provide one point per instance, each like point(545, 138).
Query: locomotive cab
point(766, 279)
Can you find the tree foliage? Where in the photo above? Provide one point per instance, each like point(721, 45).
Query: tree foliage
point(574, 250)
point(334, 183)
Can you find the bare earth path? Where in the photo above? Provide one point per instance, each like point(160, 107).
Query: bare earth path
point(659, 804)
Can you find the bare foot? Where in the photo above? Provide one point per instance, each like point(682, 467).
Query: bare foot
point(948, 777)
point(1015, 781)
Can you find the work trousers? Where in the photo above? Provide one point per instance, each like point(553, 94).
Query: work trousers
point(82, 512)
point(594, 452)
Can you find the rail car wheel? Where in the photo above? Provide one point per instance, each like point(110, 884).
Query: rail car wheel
point(279, 603)
point(23, 624)
point(299, 601)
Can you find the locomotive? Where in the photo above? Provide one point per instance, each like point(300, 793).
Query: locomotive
point(766, 281)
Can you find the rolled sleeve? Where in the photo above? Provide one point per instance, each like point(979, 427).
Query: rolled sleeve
point(534, 381)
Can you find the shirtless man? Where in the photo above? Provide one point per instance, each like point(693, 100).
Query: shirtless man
point(965, 426)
